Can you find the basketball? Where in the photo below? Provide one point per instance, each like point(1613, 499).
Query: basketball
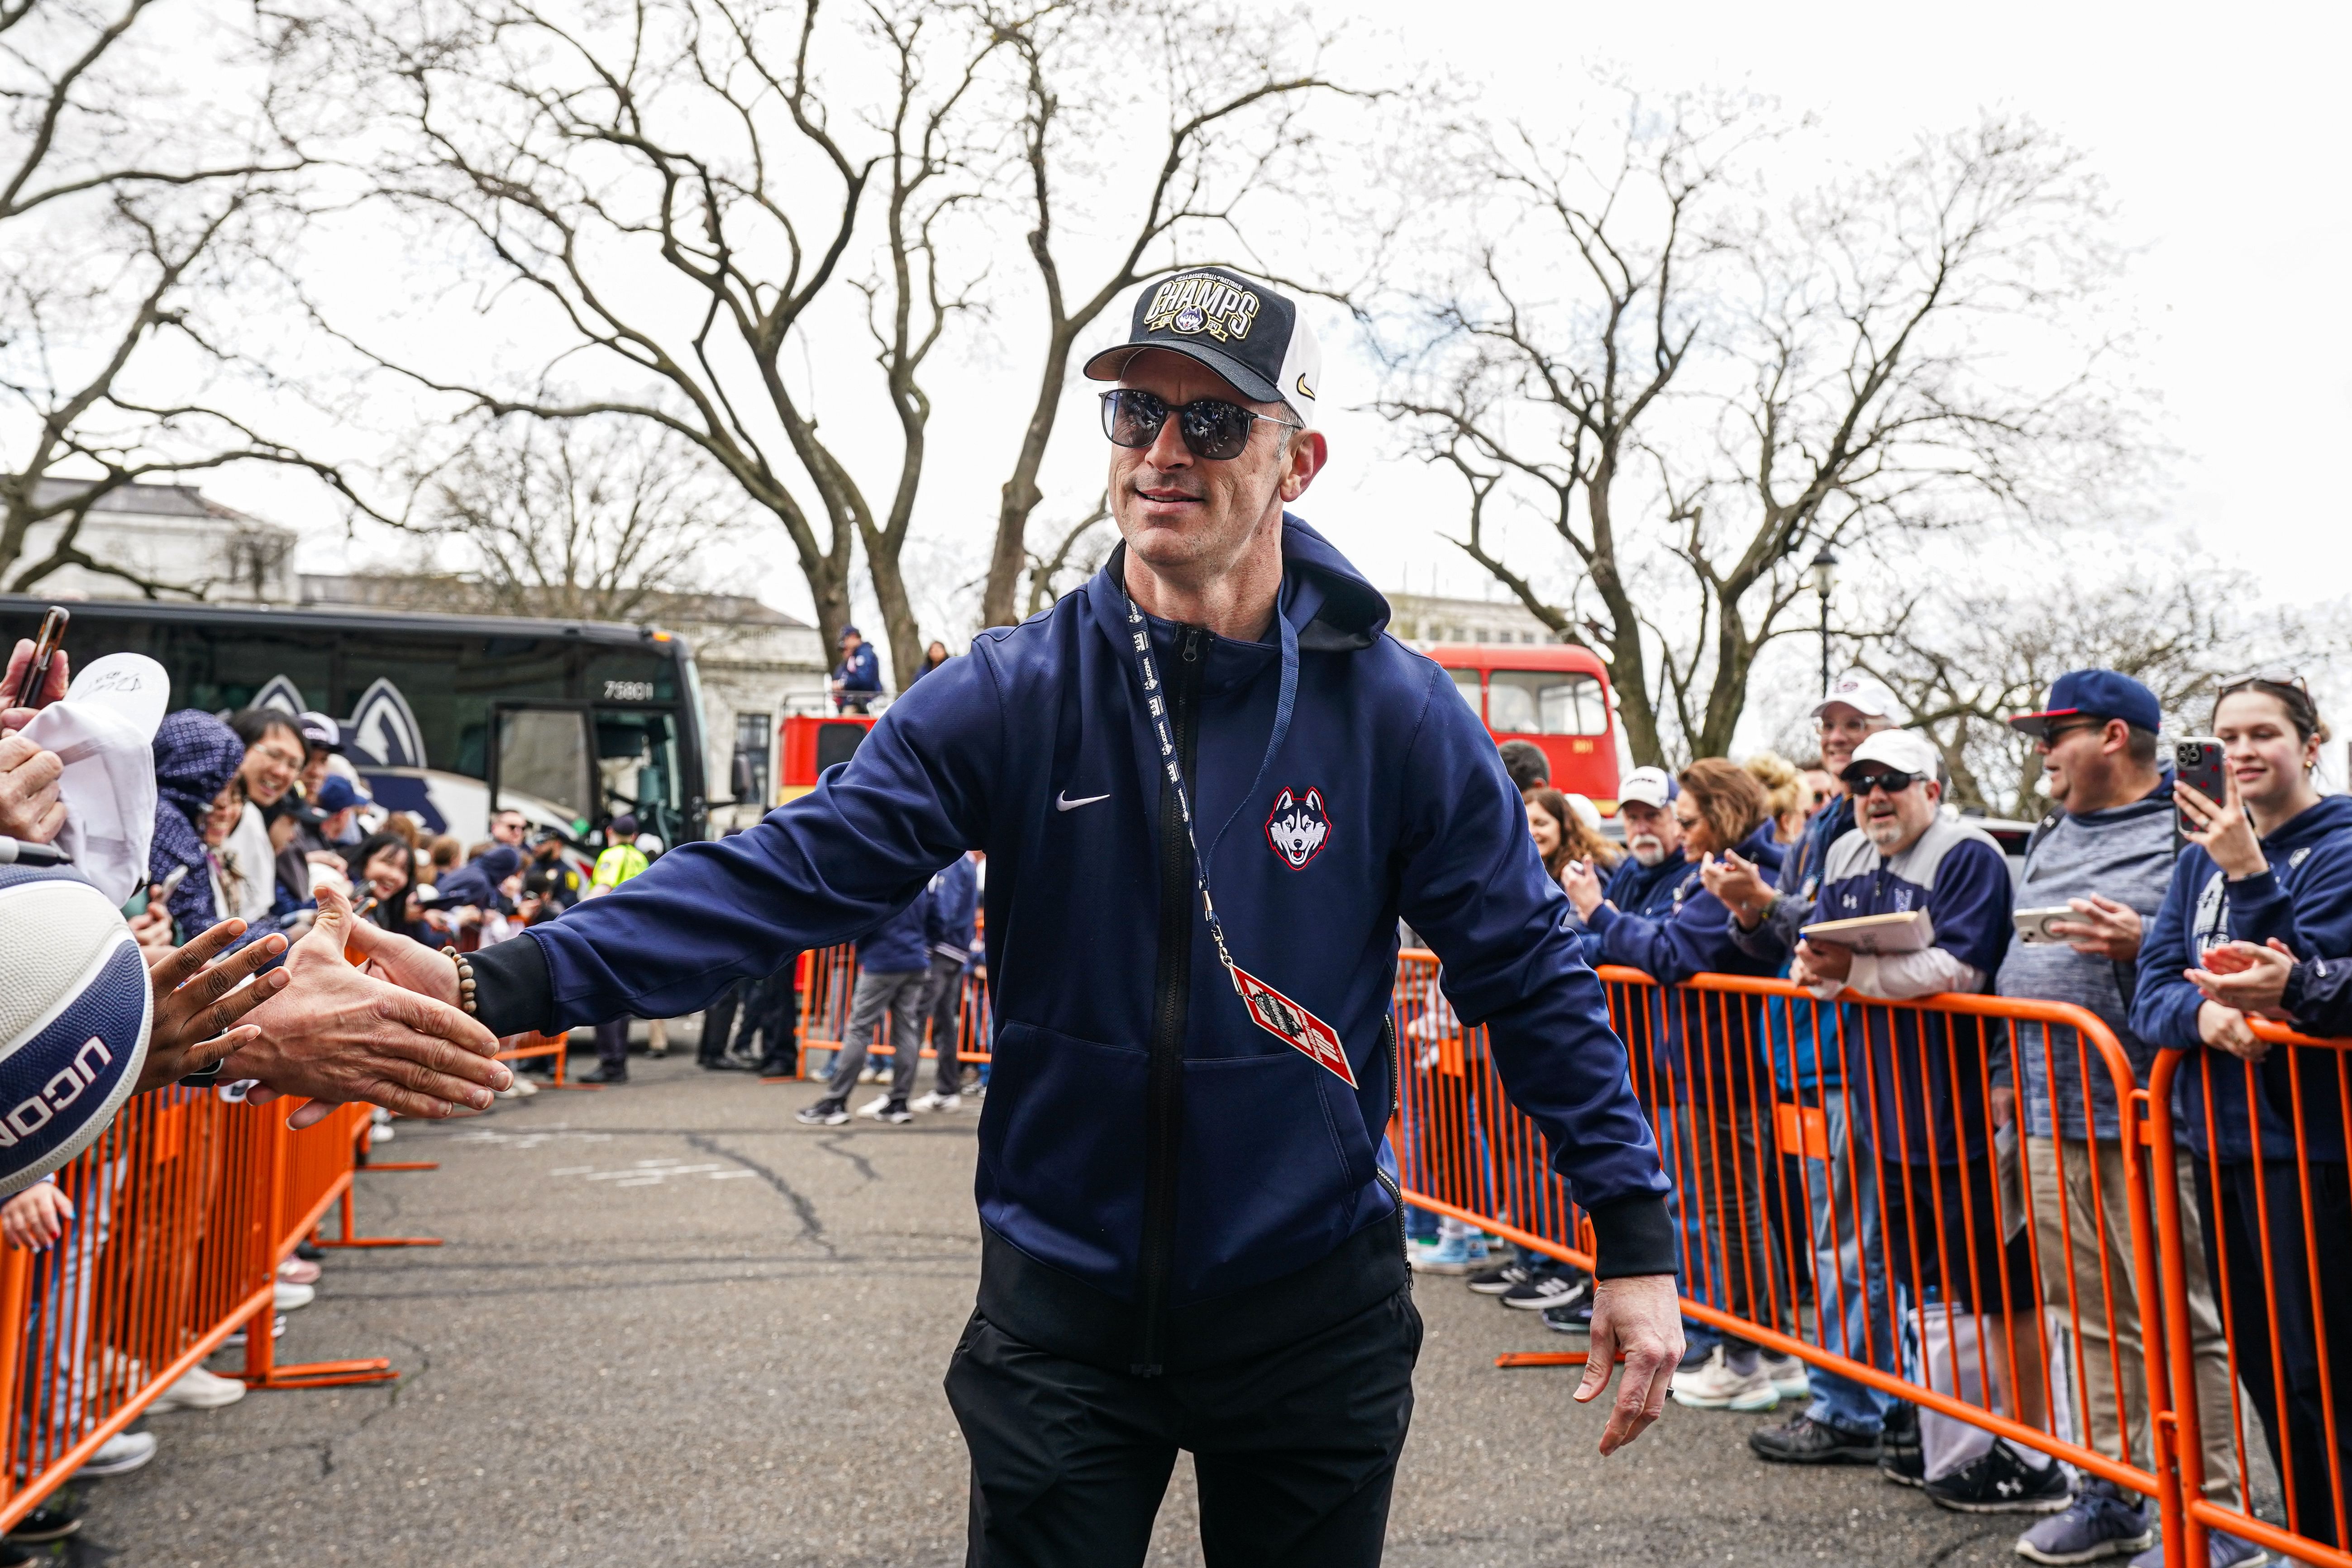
point(73, 1021)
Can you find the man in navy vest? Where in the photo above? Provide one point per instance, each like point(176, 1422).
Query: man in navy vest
point(1208, 786)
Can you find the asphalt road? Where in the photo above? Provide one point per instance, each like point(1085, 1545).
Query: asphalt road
point(670, 1327)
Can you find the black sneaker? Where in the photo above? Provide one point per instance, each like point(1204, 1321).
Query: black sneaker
point(1802, 1440)
point(1998, 1481)
point(1545, 1291)
point(309, 1252)
point(1573, 1318)
point(50, 1522)
point(1496, 1281)
point(603, 1074)
point(821, 1115)
point(1900, 1458)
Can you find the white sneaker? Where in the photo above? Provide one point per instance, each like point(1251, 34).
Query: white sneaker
point(935, 1100)
point(290, 1296)
point(123, 1452)
point(1715, 1386)
point(1787, 1376)
point(276, 1331)
point(380, 1134)
point(523, 1086)
point(869, 1073)
point(874, 1106)
point(198, 1390)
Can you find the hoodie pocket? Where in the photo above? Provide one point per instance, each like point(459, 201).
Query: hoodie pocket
point(1267, 1186)
point(1061, 1151)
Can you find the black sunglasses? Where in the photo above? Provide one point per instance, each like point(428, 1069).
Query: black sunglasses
point(1892, 784)
point(1212, 428)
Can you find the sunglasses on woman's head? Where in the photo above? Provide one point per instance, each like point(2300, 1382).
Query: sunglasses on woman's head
point(2276, 675)
point(1213, 429)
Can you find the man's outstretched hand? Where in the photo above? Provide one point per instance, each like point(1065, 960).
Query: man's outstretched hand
point(336, 1033)
point(198, 1002)
point(1639, 1318)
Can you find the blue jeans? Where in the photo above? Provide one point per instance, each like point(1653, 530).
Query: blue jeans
point(1844, 1194)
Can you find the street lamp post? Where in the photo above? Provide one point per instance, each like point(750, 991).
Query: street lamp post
point(1825, 574)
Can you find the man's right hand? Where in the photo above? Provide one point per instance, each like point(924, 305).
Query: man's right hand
point(2225, 1030)
point(337, 1033)
point(30, 807)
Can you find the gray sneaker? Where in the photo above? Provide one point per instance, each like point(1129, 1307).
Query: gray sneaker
point(2220, 1552)
point(2101, 1520)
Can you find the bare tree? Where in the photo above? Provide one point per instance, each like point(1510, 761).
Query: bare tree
point(686, 188)
point(1226, 91)
point(1083, 548)
point(602, 521)
point(128, 206)
point(1694, 388)
point(1965, 655)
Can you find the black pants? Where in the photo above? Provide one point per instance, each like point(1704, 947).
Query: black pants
point(1296, 1449)
point(612, 1046)
point(718, 1019)
point(2295, 1417)
point(772, 1012)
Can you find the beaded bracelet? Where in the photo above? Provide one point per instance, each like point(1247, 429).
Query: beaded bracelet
point(465, 976)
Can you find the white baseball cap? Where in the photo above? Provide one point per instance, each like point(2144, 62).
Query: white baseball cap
point(1651, 787)
point(1865, 694)
point(1904, 750)
point(1586, 812)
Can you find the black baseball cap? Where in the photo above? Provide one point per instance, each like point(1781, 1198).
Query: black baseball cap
point(1244, 329)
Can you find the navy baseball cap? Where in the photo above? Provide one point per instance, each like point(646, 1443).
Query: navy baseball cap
point(2093, 694)
point(336, 793)
point(1243, 328)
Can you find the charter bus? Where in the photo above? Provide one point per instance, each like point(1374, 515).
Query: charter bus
point(451, 717)
point(1555, 696)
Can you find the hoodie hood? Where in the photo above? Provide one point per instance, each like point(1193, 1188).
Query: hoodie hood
point(2333, 814)
point(1335, 608)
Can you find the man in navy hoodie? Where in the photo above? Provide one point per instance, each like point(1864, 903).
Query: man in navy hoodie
point(954, 896)
point(893, 973)
point(1208, 786)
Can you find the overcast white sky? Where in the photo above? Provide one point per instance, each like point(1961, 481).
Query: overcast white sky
point(2221, 138)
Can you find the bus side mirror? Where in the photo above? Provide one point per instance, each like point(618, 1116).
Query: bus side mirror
point(743, 778)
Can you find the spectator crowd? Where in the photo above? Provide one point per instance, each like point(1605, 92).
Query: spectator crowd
point(2173, 915)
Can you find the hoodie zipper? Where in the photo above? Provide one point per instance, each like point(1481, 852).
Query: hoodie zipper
point(1163, 1094)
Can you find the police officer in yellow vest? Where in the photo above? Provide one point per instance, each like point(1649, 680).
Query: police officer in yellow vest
point(620, 860)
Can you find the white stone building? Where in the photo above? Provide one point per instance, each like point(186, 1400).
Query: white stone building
point(1424, 620)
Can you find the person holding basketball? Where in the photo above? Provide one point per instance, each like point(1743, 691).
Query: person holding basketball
point(1208, 786)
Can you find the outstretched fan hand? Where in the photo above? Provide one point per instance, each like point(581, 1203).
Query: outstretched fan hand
point(337, 1033)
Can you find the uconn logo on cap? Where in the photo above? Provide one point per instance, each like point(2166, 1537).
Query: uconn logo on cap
point(34, 1114)
point(1201, 303)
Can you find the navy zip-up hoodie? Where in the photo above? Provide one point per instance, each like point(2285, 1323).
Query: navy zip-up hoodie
point(2305, 899)
point(1154, 1167)
point(1692, 936)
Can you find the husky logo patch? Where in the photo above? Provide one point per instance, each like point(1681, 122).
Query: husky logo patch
point(1297, 826)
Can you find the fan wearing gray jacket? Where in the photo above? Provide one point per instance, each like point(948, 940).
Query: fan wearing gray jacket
point(2106, 855)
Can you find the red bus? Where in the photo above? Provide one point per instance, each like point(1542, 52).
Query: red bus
point(1555, 695)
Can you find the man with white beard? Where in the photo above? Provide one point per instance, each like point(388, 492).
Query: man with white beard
point(1644, 881)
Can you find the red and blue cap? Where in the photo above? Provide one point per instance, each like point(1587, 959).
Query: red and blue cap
point(2093, 694)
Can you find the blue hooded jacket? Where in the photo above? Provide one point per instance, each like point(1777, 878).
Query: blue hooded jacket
point(2305, 899)
point(899, 944)
point(955, 897)
point(1154, 1167)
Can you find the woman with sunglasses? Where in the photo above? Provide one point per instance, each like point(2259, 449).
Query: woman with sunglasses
point(2271, 861)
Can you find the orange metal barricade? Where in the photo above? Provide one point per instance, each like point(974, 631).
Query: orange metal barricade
point(1979, 1308)
point(183, 1211)
point(2270, 1220)
point(828, 979)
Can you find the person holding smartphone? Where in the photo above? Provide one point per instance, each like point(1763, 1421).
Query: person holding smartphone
point(2270, 861)
point(2105, 858)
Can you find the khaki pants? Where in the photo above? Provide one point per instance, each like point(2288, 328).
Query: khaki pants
point(2067, 1229)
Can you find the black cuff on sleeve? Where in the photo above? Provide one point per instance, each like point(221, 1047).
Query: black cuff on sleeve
point(1632, 1235)
point(512, 993)
point(2297, 993)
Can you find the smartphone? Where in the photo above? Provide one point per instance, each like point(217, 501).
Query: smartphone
point(45, 653)
point(2196, 762)
point(170, 885)
point(2034, 925)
